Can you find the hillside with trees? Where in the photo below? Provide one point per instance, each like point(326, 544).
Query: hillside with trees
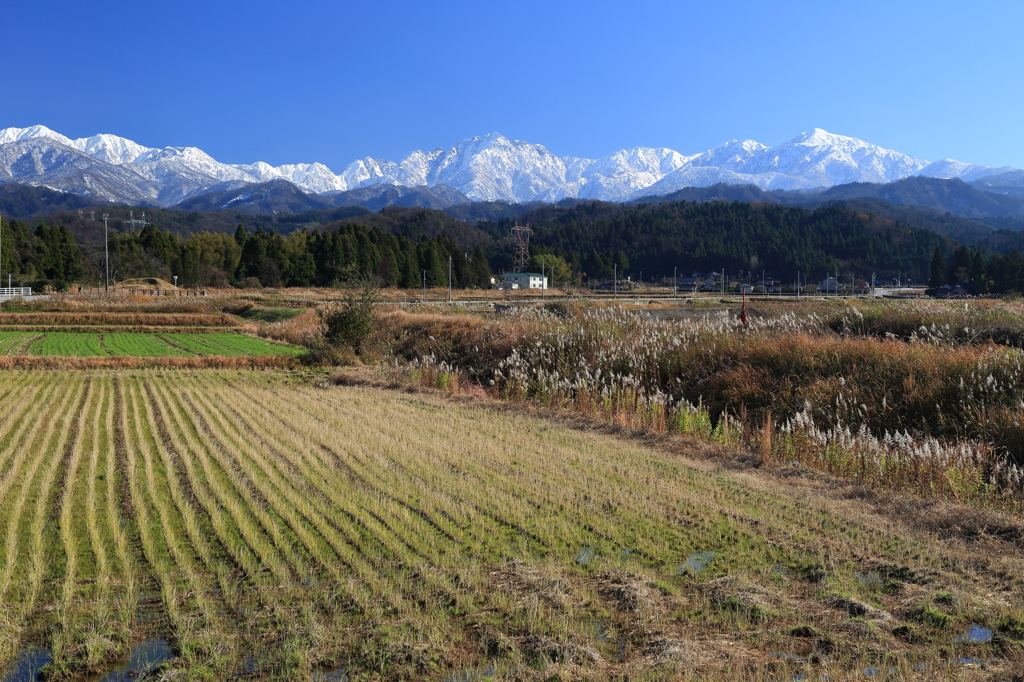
point(658, 238)
point(575, 244)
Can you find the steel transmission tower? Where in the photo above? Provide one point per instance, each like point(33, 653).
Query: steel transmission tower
point(521, 247)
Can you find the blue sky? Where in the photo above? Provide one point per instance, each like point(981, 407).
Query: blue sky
point(312, 80)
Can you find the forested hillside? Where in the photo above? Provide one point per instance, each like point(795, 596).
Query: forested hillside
point(574, 244)
point(656, 238)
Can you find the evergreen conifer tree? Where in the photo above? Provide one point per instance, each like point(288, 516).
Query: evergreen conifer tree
point(938, 272)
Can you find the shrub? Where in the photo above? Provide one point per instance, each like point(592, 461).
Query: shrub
point(350, 322)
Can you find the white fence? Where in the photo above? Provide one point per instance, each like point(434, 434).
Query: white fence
point(11, 292)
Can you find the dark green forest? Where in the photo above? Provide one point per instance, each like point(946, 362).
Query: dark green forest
point(736, 236)
point(576, 244)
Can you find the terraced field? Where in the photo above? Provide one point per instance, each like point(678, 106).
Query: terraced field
point(228, 344)
point(276, 530)
point(82, 344)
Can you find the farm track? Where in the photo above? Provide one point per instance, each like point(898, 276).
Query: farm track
point(261, 524)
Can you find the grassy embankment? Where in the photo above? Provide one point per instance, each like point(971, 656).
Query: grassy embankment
point(262, 524)
point(923, 398)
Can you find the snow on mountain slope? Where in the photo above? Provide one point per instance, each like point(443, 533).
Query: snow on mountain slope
point(46, 162)
point(189, 165)
point(949, 168)
point(813, 159)
point(490, 167)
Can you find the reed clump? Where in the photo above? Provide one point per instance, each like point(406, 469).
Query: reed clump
point(929, 415)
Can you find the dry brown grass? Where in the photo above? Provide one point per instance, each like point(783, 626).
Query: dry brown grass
point(124, 303)
point(140, 319)
point(929, 418)
point(139, 329)
point(301, 330)
point(12, 362)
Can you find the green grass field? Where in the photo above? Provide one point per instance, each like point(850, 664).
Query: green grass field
point(68, 344)
point(270, 315)
point(12, 341)
point(75, 344)
point(228, 344)
point(141, 345)
point(264, 525)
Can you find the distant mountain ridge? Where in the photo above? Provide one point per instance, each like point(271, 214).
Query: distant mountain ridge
point(489, 168)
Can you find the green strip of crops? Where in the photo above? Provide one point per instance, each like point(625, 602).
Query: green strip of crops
point(76, 344)
point(270, 315)
point(229, 345)
point(141, 345)
point(69, 344)
point(10, 341)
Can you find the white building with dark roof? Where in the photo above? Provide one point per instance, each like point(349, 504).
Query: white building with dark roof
point(524, 280)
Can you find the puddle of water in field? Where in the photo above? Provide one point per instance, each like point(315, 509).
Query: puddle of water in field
point(600, 631)
point(473, 674)
point(976, 634)
point(338, 675)
point(696, 563)
point(971, 660)
point(27, 665)
point(143, 660)
point(784, 571)
point(869, 579)
point(585, 556)
point(248, 669)
point(624, 554)
point(148, 608)
point(621, 646)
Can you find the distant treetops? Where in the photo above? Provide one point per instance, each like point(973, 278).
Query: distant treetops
point(589, 241)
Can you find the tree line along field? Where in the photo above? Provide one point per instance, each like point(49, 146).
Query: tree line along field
point(270, 529)
point(136, 344)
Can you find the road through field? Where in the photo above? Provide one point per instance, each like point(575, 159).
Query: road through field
point(262, 524)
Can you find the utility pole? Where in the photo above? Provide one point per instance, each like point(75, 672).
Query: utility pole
point(543, 280)
point(449, 279)
point(423, 298)
point(106, 254)
point(675, 281)
point(615, 274)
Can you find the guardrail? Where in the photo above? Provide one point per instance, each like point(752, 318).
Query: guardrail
point(10, 292)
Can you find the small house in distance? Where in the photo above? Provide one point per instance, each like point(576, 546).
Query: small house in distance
point(831, 286)
point(524, 280)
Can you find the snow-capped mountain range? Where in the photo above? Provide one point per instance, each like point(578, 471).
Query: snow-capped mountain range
point(488, 168)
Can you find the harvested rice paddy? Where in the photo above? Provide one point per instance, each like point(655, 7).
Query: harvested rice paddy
point(265, 528)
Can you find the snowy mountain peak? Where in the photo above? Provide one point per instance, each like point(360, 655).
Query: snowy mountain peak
point(817, 137)
point(8, 135)
point(489, 167)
